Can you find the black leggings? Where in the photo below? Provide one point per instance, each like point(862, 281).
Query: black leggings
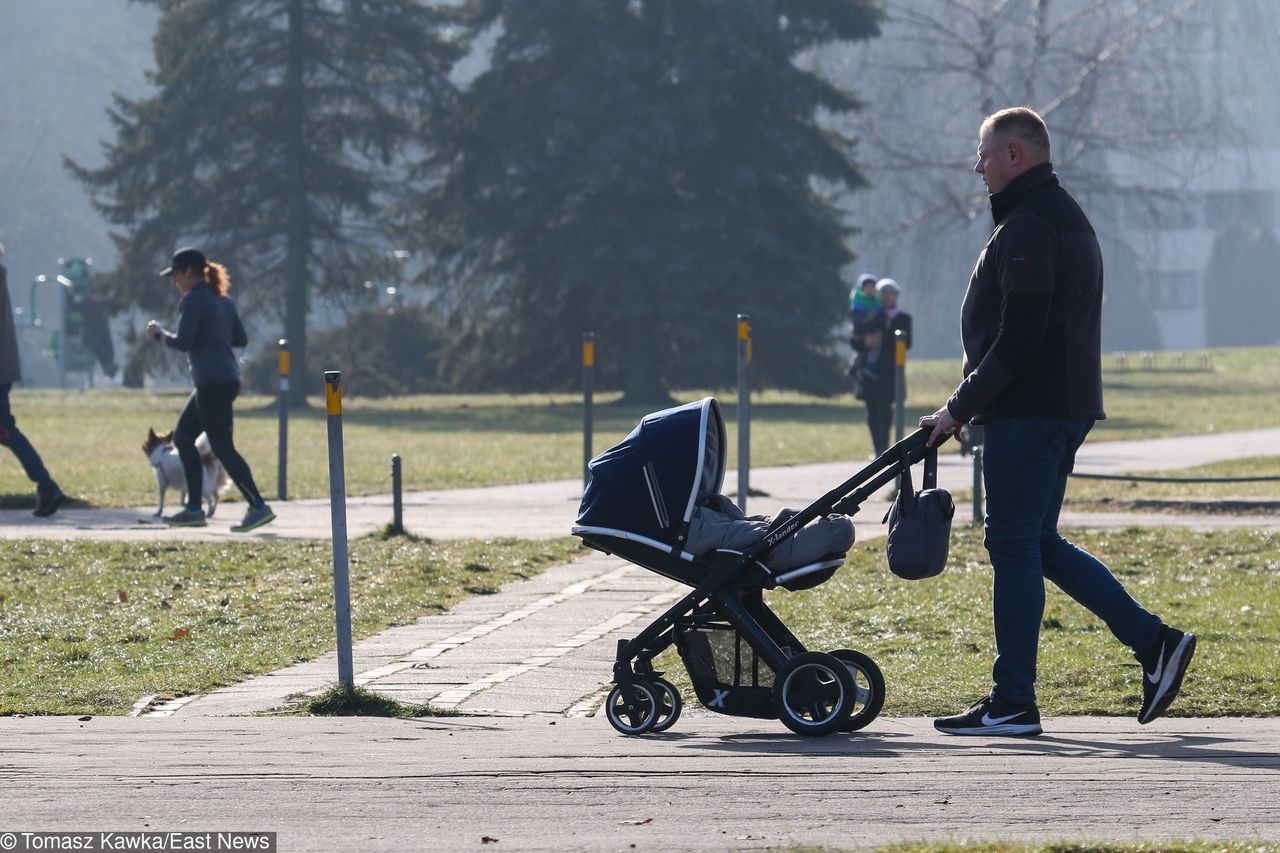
point(879, 417)
point(208, 410)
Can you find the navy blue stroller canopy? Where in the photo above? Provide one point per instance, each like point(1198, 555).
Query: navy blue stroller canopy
point(648, 485)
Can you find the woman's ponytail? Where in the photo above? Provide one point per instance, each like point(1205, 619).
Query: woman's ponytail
point(216, 275)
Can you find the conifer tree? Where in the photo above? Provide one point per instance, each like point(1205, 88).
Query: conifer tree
point(646, 169)
point(274, 140)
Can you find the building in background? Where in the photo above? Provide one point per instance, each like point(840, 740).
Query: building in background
point(1190, 198)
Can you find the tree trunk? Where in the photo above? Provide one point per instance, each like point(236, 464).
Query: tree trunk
point(643, 385)
point(298, 246)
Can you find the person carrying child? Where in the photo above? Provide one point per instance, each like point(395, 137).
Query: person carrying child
point(877, 385)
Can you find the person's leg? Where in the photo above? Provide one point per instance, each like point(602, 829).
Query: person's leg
point(1164, 652)
point(12, 438)
point(879, 414)
point(48, 496)
point(1086, 578)
point(185, 433)
point(216, 414)
point(1020, 473)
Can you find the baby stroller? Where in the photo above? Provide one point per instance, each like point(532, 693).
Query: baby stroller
point(741, 658)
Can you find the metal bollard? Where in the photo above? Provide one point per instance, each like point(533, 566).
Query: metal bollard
point(588, 394)
point(397, 495)
point(744, 410)
point(282, 440)
point(900, 383)
point(62, 336)
point(338, 521)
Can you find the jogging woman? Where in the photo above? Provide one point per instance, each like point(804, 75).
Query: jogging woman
point(208, 327)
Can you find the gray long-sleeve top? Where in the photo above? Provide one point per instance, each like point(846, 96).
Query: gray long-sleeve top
point(208, 327)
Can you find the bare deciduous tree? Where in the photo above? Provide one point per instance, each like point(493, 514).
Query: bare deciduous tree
point(1111, 78)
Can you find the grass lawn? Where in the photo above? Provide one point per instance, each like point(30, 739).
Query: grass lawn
point(933, 638)
point(91, 439)
point(90, 627)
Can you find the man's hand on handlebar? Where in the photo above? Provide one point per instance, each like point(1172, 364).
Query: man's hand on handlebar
point(943, 425)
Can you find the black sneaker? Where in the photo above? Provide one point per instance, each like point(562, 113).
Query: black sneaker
point(186, 518)
point(1162, 669)
point(48, 499)
point(991, 716)
point(254, 517)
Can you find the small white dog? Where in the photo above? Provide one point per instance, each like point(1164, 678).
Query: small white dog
point(164, 459)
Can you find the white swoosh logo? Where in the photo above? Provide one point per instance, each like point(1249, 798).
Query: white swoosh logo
point(988, 721)
point(1154, 677)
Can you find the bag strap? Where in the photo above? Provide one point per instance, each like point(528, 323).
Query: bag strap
point(906, 491)
point(906, 498)
point(931, 468)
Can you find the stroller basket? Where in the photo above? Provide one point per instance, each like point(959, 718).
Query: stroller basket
point(727, 674)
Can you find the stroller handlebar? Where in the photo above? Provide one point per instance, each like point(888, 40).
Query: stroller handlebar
point(847, 498)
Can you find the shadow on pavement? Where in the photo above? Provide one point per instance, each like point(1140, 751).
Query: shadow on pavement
point(1198, 749)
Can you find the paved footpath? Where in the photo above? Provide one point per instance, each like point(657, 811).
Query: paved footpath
point(709, 784)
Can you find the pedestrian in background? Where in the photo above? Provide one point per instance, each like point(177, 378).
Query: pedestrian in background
point(878, 382)
point(208, 328)
point(48, 496)
point(1031, 328)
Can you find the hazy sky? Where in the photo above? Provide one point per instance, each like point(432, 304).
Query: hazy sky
point(60, 60)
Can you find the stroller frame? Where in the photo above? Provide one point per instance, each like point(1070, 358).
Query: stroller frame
point(727, 588)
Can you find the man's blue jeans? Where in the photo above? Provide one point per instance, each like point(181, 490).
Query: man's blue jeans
point(1025, 466)
point(12, 438)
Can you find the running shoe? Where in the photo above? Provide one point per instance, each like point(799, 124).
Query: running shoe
point(1163, 666)
point(992, 716)
point(255, 517)
point(186, 518)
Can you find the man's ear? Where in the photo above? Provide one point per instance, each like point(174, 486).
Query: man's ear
point(1015, 152)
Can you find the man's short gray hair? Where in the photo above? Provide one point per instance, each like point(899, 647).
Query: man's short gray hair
point(1022, 123)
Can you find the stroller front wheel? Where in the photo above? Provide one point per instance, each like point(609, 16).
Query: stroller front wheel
point(813, 693)
point(632, 711)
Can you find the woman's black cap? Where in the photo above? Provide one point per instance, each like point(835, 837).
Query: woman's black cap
point(186, 258)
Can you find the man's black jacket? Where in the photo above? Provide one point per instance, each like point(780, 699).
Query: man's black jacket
point(1031, 322)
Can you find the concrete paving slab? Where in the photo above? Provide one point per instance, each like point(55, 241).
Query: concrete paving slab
point(710, 784)
point(515, 654)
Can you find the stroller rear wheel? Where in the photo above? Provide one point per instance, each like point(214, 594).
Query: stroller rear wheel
point(868, 688)
point(633, 716)
point(813, 693)
point(669, 704)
